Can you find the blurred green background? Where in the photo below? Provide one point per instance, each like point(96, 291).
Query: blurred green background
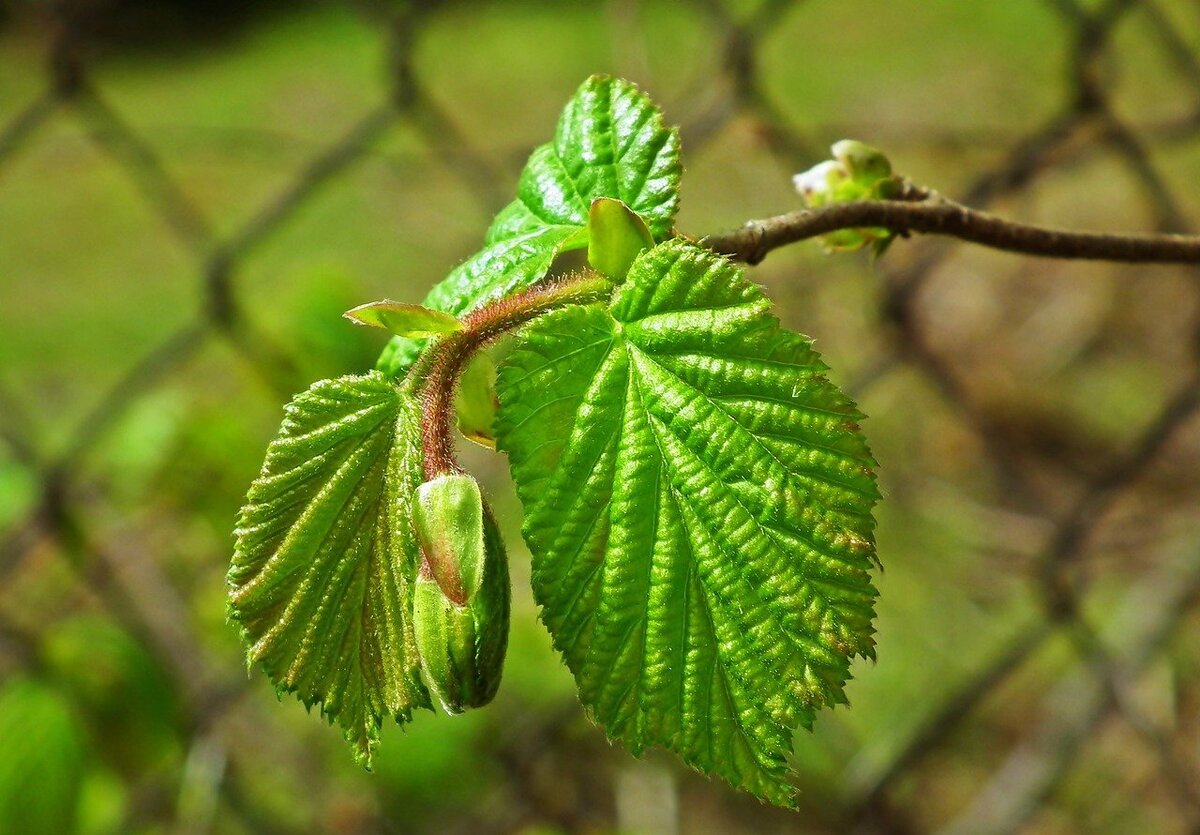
point(192, 193)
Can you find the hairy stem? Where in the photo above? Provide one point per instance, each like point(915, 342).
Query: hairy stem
point(934, 215)
point(445, 360)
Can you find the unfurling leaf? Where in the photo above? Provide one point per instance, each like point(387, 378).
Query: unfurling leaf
point(616, 235)
point(867, 166)
point(611, 141)
point(410, 320)
point(461, 608)
point(323, 566)
point(698, 504)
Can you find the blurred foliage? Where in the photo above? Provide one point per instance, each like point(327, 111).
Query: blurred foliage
point(43, 766)
point(123, 703)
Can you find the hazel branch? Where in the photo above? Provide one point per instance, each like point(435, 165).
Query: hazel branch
point(934, 215)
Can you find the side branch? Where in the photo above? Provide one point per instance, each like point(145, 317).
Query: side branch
point(937, 216)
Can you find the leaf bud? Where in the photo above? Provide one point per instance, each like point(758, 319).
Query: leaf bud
point(864, 164)
point(856, 172)
point(461, 600)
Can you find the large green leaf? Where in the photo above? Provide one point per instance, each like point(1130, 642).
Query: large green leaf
point(611, 141)
point(698, 503)
point(321, 581)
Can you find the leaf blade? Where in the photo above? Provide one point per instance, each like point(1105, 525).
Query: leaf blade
point(320, 581)
point(697, 501)
point(611, 141)
point(616, 235)
point(411, 320)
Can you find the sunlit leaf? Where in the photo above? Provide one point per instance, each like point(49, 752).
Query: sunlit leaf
point(698, 501)
point(411, 320)
point(611, 141)
point(322, 573)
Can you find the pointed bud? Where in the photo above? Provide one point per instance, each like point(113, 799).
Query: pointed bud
point(461, 602)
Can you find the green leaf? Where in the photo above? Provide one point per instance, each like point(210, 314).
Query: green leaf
point(475, 401)
point(698, 503)
point(499, 269)
point(321, 580)
point(611, 141)
point(615, 237)
point(411, 320)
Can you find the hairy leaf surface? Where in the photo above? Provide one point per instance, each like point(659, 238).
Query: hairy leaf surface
point(611, 141)
point(698, 503)
point(321, 580)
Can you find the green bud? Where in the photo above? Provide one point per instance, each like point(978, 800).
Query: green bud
point(856, 172)
point(461, 601)
point(864, 164)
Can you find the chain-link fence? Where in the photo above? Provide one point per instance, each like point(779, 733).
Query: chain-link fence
point(1035, 422)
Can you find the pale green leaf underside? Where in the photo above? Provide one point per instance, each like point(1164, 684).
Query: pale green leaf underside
point(402, 319)
point(611, 141)
point(698, 503)
point(324, 559)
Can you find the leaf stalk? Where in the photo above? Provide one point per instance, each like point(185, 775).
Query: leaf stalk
point(443, 362)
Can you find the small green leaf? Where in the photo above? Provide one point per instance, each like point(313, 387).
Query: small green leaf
point(499, 269)
point(410, 320)
point(611, 141)
point(325, 556)
point(698, 504)
point(475, 401)
point(616, 235)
